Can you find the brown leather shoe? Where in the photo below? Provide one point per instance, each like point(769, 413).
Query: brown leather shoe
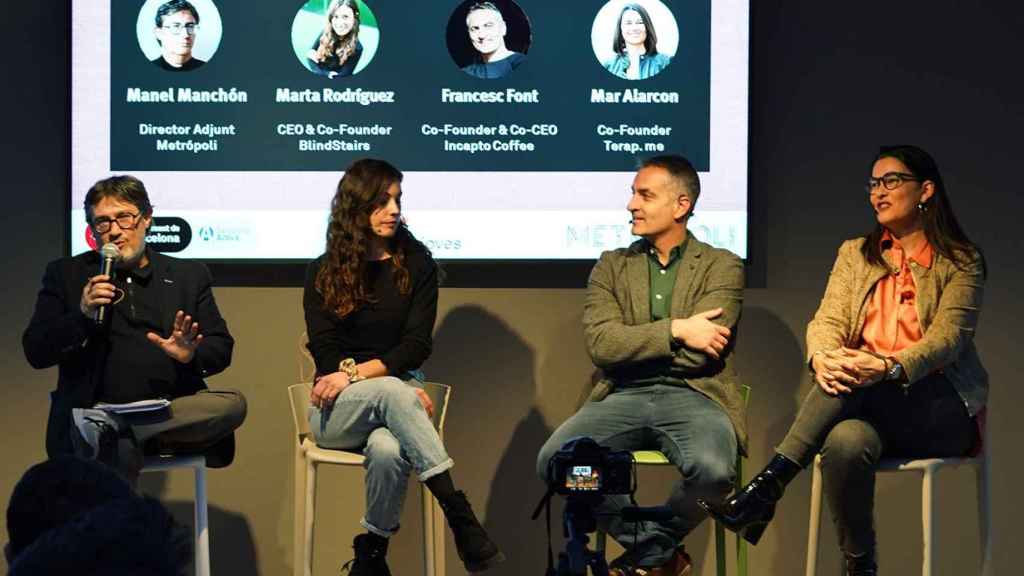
point(678, 565)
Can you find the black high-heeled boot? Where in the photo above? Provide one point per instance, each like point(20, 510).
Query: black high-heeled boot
point(477, 551)
point(370, 556)
point(750, 509)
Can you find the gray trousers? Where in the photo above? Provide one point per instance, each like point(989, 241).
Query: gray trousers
point(191, 425)
point(854, 431)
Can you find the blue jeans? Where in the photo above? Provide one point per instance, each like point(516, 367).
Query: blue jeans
point(693, 432)
point(383, 417)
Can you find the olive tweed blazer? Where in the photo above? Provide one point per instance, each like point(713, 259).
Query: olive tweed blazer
point(948, 303)
point(626, 344)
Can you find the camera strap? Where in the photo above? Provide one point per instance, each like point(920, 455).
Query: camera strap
point(545, 503)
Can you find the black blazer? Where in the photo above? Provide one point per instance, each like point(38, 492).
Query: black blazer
point(60, 334)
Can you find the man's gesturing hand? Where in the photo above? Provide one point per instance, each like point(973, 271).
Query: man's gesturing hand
point(184, 339)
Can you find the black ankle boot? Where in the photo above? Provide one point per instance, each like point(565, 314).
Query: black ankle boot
point(476, 549)
point(864, 565)
point(748, 511)
point(369, 561)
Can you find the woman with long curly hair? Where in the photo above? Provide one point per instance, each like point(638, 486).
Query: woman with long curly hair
point(370, 303)
point(336, 52)
point(891, 350)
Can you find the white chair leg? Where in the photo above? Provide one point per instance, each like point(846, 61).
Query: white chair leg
point(299, 524)
point(428, 532)
point(927, 523)
point(202, 543)
point(984, 514)
point(307, 555)
point(814, 525)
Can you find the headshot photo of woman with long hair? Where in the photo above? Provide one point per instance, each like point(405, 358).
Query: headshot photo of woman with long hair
point(335, 39)
point(891, 352)
point(338, 50)
point(634, 43)
point(370, 303)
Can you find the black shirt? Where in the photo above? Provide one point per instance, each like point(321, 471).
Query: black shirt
point(190, 64)
point(396, 329)
point(331, 63)
point(499, 69)
point(135, 368)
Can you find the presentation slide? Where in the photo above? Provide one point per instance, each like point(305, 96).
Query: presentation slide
point(518, 124)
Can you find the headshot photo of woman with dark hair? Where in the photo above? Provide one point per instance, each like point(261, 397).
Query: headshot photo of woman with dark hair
point(338, 50)
point(344, 37)
point(636, 52)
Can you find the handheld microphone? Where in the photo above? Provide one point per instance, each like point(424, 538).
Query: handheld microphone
point(110, 255)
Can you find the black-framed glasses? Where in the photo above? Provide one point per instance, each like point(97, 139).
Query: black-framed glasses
point(178, 28)
point(891, 181)
point(125, 221)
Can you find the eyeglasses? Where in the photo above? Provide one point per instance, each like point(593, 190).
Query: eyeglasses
point(178, 29)
point(891, 181)
point(125, 221)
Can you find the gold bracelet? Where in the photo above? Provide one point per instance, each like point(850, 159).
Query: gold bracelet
point(348, 366)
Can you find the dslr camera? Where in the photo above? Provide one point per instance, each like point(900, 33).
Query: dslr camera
point(585, 468)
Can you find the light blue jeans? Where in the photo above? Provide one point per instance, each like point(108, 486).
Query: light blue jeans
point(383, 418)
point(693, 432)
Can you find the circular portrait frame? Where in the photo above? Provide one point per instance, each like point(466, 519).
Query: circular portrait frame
point(607, 38)
point(311, 23)
point(512, 32)
point(207, 40)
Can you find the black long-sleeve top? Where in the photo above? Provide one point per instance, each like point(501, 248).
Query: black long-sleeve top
point(331, 64)
point(396, 329)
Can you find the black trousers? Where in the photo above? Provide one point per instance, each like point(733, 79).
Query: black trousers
point(854, 431)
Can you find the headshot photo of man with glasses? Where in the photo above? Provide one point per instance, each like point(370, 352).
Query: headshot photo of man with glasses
point(177, 31)
point(177, 23)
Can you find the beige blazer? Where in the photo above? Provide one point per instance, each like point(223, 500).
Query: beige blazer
point(948, 303)
point(624, 342)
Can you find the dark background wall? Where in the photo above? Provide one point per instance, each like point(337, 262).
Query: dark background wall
point(830, 82)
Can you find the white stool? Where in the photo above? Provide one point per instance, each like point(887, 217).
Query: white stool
point(202, 530)
point(308, 455)
point(927, 467)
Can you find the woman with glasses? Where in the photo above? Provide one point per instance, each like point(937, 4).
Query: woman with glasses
point(635, 46)
point(892, 355)
point(370, 302)
point(337, 51)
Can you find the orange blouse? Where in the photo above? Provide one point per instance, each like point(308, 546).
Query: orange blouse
point(892, 323)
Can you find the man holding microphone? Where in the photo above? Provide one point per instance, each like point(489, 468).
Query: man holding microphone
point(148, 330)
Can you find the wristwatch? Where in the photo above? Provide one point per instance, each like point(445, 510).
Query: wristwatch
point(348, 366)
point(894, 373)
point(893, 370)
